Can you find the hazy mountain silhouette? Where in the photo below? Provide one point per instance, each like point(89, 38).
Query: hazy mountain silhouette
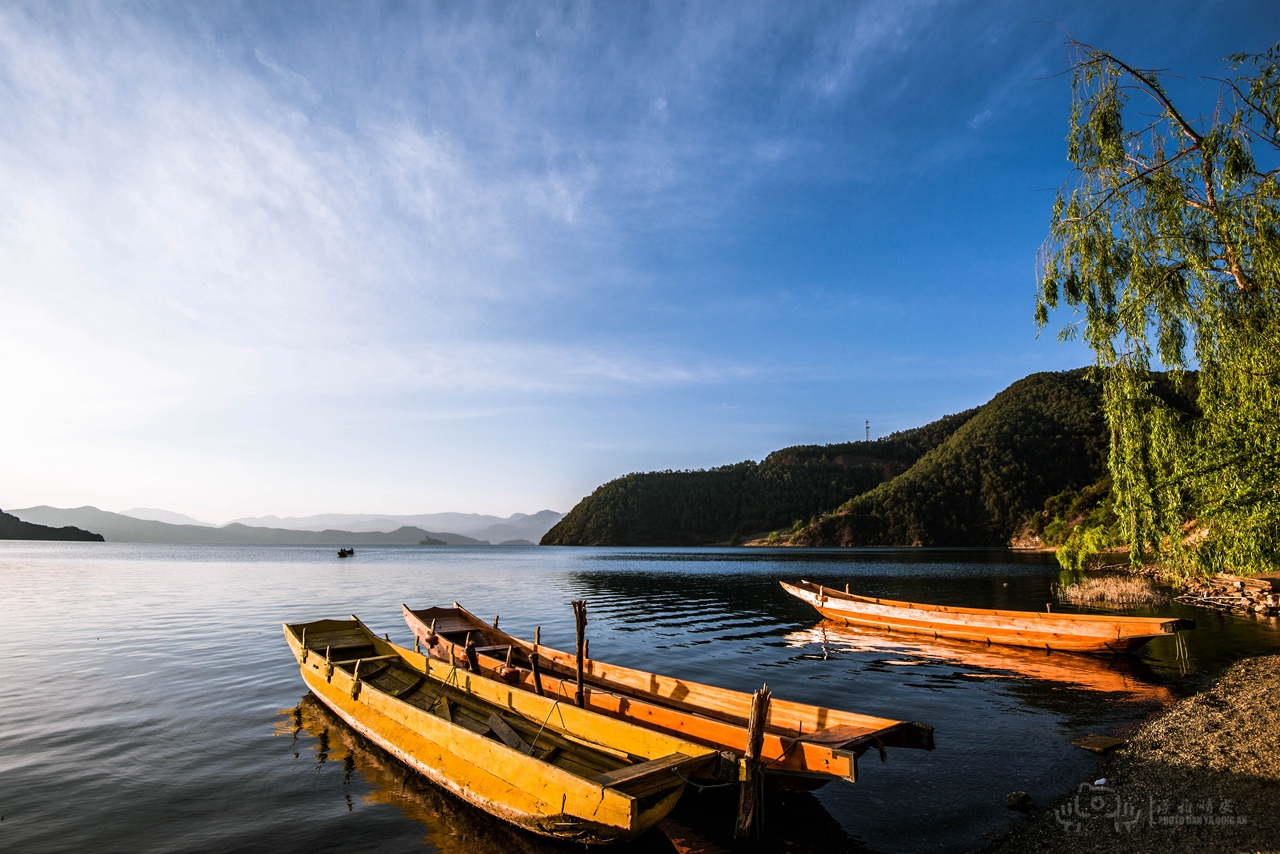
point(117, 527)
point(13, 528)
point(153, 515)
point(492, 528)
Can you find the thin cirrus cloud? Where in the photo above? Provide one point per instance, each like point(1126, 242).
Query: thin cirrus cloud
point(164, 198)
point(191, 219)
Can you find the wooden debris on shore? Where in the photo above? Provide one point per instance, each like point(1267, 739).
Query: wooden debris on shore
point(1257, 595)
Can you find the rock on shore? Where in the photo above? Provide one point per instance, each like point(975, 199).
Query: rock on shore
point(1203, 775)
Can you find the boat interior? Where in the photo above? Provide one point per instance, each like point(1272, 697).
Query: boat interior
point(457, 627)
point(350, 647)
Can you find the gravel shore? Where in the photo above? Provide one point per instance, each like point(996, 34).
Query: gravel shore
point(1201, 776)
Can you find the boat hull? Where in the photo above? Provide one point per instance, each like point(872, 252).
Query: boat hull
point(805, 744)
point(1083, 633)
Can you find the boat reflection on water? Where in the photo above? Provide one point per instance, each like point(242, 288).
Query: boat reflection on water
point(452, 826)
point(1115, 674)
point(703, 820)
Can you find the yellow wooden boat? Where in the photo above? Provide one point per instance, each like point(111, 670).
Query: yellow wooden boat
point(1053, 632)
point(539, 763)
point(812, 743)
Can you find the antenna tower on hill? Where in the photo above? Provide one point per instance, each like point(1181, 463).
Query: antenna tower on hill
point(868, 429)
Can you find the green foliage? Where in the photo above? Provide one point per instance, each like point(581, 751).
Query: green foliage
point(1069, 508)
point(1040, 436)
point(700, 507)
point(688, 508)
point(1166, 244)
point(895, 452)
point(1085, 545)
point(774, 539)
point(1081, 523)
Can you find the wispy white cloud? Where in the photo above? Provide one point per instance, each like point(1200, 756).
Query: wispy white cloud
point(257, 230)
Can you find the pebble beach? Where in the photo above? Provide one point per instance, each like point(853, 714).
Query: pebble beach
point(1203, 775)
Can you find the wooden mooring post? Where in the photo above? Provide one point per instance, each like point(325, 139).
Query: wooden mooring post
point(537, 673)
point(534, 661)
point(580, 628)
point(751, 793)
point(473, 659)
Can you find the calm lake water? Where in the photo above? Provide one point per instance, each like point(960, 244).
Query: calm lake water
point(149, 703)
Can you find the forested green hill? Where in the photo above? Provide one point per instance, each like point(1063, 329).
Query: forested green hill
point(1042, 435)
point(683, 508)
point(965, 480)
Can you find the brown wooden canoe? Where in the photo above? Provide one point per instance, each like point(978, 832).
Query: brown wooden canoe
point(1055, 632)
point(538, 763)
point(800, 740)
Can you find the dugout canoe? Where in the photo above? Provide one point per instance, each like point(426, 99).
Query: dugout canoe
point(1049, 631)
point(805, 746)
point(539, 763)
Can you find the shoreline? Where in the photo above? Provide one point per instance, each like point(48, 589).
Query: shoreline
point(1202, 774)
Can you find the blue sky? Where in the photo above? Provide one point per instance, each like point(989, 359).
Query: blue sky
point(412, 257)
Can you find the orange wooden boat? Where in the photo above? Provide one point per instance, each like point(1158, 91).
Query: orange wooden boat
point(800, 741)
point(1092, 633)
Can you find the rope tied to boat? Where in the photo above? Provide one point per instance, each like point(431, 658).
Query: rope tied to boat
point(702, 786)
point(786, 748)
point(534, 745)
point(451, 675)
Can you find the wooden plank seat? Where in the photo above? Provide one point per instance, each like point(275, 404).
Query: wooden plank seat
point(368, 675)
point(507, 735)
point(450, 625)
point(351, 652)
point(366, 659)
point(337, 640)
point(836, 736)
point(642, 777)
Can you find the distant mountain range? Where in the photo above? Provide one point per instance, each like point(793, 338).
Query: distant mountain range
point(494, 529)
point(153, 515)
point(136, 527)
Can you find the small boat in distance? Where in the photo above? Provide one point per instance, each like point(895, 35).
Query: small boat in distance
point(804, 746)
point(1052, 632)
point(346, 552)
point(535, 762)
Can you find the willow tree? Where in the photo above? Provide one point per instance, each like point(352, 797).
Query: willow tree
point(1164, 242)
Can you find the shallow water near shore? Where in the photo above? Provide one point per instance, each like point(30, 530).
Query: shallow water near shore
point(149, 702)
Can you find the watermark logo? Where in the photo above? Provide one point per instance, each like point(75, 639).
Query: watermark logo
point(1100, 804)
